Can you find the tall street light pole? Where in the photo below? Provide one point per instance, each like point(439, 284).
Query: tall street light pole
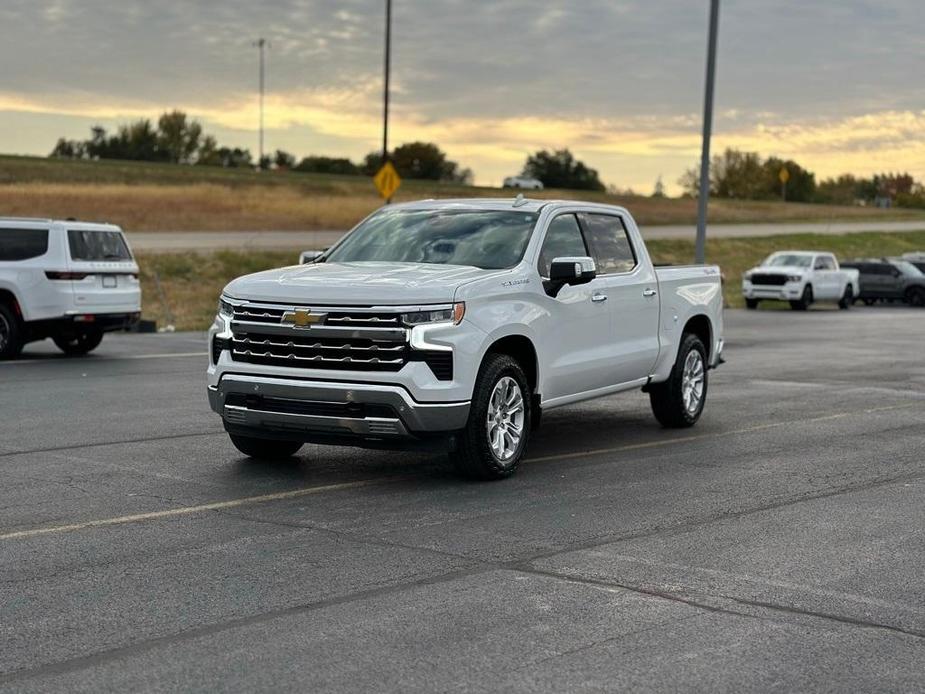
point(385, 82)
point(385, 92)
point(707, 131)
point(261, 45)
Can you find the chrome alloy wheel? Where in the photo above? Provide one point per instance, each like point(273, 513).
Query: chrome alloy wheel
point(692, 381)
point(505, 418)
point(5, 331)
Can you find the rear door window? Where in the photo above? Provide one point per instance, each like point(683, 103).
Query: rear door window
point(22, 244)
point(97, 245)
point(610, 245)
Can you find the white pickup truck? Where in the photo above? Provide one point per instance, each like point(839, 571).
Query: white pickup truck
point(456, 323)
point(800, 277)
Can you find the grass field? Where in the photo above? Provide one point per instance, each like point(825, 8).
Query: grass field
point(141, 196)
point(191, 283)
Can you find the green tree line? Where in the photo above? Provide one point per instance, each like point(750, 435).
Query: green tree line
point(747, 176)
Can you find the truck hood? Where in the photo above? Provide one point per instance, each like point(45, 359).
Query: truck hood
point(781, 269)
point(356, 284)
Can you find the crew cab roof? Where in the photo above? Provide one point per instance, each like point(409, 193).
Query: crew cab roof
point(523, 204)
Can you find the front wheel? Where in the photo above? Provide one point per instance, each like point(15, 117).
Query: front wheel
point(804, 301)
point(847, 299)
point(679, 401)
point(751, 304)
point(81, 343)
point(916, 296)
point(870, 302)
point(265, 449)
point(500, 419)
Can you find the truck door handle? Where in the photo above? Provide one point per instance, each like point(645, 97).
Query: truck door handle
point(597, 298)
point(649, 292)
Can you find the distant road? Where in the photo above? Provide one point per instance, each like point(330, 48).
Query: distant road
point(166, 241)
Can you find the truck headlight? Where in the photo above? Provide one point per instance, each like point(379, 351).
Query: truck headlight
point(747, 275)
point(453, 314)
point(224, 308)
point(794, 278)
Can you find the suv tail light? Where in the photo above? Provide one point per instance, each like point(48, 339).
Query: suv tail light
point(66, 275)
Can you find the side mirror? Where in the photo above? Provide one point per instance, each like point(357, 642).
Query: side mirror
point(570, 270)
point(309, 256)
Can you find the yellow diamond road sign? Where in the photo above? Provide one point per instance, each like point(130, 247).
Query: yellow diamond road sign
point(784, 175)
point(387, 180)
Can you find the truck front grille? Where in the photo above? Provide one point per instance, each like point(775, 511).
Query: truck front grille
point(769, 279)
point(319, 353)
point(341, 318)
point(343, 339)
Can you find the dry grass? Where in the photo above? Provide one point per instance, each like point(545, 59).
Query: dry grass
point(192, 283)
point(144, 196)
point(214, 207)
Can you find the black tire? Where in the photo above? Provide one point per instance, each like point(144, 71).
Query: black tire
point(915, 296)
point(870, 302)
point(265, 449)
point(79, 343)
point(803, 302)
point(751, 304)
point(668, 401)
point(11, 334)
point(847, 300)
point(473, 455)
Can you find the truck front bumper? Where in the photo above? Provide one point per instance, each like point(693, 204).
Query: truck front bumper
point(315, 410)
point(787, 292)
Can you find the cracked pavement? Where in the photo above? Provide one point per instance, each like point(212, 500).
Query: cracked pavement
point(777, 545)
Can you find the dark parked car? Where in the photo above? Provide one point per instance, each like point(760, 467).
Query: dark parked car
point(889, 279)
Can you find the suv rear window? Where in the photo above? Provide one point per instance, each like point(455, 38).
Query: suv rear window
point(22, 244)
point(97, 245)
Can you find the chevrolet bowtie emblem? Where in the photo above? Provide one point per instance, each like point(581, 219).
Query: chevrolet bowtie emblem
point(301, 318)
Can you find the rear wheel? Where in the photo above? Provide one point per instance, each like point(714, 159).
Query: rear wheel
point(751, 304)
point(265, 449)
point(847, 299)
point(500, 419)
point(804, 301)
point(916, 296)
point(11, 339)
point(678, 402)
point(79, 343)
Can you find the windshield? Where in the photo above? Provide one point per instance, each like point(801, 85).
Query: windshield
point(907, 268)
point(97, 245)
point(789, 260)
point(486, 239)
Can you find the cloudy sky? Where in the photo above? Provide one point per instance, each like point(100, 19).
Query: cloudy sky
point(838, 85)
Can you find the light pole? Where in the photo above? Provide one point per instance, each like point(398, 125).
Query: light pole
point(385, 90)
point(261, 44)
point(707, 130)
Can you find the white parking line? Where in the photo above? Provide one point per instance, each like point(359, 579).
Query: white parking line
point(96, 360)
point(188, 510)
point(233, 503)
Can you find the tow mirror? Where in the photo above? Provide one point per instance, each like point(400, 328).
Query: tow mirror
point(570, 270)
point(309, 256)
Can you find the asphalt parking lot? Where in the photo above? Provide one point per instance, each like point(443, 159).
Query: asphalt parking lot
point(780, 544)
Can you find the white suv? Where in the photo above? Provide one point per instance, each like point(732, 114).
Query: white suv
point(67, 280)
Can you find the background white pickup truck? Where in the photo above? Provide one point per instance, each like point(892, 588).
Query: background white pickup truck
point(459, 322)
point(800, 277)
